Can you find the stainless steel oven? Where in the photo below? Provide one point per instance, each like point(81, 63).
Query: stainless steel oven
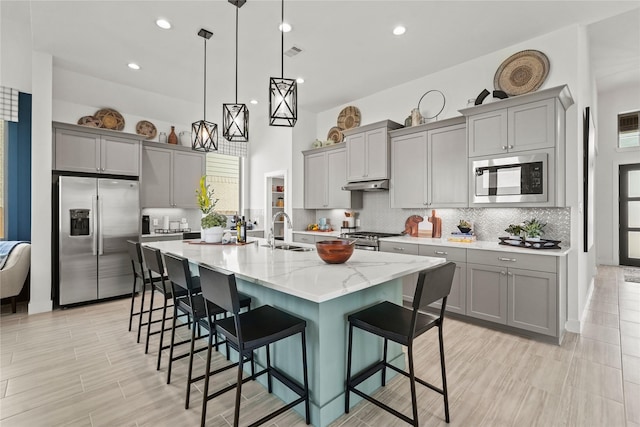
point(367, 240)
point(511, 179)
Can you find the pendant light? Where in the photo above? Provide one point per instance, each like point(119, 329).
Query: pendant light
point(283, 94)
point(235, 117)
point(204, 134)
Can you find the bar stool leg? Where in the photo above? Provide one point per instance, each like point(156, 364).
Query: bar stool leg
point(349, 350)
point(189, 372)
point(144, 288)
point(236, 414)
point(444, 376)
point(384, 360)
point(133, 297)
point(269, 382)
point(173, 339)
point(306, 379)
point(153, 293)
point(164, 318)
point(412, 382)
point(205, 392)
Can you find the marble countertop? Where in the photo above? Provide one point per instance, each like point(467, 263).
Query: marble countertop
point(301, 274)
point(480, 245)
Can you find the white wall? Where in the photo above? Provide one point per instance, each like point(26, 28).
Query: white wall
point(303, 136)
point(609, 158)
point(15, 45)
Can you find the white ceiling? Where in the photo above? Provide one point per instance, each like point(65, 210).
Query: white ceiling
point(348, 49)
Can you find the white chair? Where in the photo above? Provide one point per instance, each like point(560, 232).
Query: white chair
point(14, 273)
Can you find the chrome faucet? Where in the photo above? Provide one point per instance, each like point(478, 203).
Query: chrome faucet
point(272, 237)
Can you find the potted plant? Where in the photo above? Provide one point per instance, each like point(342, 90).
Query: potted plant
point(533, 229)
point(514, 231)
point(464, 226)
point(212, 223)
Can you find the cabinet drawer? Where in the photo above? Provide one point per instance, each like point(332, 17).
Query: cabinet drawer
point(303, 238)
point(513, 259)
point(399, 248)
point(450, 254)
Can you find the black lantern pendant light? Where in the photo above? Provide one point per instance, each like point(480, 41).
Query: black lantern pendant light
point(283, 94)
point(235, 117)
point(204, 134)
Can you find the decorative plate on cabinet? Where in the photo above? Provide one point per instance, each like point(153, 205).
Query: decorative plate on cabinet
point(522, 72)
point(90, 121)
point(146, 128)
point(349, 118)
point(335, 134)
point(111, 119)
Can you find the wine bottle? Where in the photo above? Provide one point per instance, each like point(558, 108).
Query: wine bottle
point(239, 230)
point(244, 230)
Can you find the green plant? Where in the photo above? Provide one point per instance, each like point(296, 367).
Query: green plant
point(534, 228)
point(514, 229)
point(213, 219)
point(204, 194)
point(464, 224)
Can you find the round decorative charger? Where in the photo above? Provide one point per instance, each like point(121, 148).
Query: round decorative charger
point(90, 121)
point(146, 128)
point(111, 119)
point(522, 72)
point(349, 118)
point(335, 134)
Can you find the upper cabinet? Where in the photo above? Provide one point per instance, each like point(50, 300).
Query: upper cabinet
point(368, 151)
point(523, 123)
point(429, 165)
point(98, 151)
point(170, 176)
point(325, 172)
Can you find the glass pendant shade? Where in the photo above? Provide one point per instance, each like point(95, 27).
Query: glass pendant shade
point(204, 136)
point(283, 102)
point(235, 122)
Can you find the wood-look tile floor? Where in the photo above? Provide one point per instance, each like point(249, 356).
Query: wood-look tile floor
point(81, 367)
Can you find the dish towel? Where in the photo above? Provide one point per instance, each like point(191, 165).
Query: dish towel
point(5, 250)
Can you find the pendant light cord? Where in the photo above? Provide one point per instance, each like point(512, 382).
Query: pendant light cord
point(204, 116)
point(282, 43)
point(237, 54)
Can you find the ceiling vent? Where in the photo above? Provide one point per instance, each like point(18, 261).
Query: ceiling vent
point(293, 51)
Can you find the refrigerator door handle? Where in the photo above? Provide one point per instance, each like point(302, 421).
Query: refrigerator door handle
point(94, 206)
point(100, 235)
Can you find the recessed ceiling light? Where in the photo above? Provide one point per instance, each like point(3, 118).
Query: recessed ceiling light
point(299, 80)
point(284, 27)
point(163, 23)
point(399, 30)
point(134, 66)
point(254, 101)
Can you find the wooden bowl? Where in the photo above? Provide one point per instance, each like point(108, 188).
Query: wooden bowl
point(334, 251)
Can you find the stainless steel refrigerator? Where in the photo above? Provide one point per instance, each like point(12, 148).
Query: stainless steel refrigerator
point(96, 218)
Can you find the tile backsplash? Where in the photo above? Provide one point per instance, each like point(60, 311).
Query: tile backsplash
point(489, 223)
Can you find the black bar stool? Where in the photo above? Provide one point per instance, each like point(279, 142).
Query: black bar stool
point(137, 266)
point(247, 332)
point(194, 304)
point(153, 260)
point(402, 325)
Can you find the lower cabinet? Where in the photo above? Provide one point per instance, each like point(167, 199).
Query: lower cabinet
point(310, 238)
point(487, 293)
point(456, 302)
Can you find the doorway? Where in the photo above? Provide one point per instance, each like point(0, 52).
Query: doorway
point(277, 199)
point(629, 200)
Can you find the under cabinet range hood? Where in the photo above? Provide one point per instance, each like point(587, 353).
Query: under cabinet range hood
point(378, 185)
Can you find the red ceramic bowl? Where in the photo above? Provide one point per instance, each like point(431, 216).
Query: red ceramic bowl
point(334, 251)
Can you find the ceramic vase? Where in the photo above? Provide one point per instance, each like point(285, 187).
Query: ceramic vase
point(173, 138)
point(213, 234)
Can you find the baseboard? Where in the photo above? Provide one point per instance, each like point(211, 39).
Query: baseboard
point(36, 307)
point(574, 326)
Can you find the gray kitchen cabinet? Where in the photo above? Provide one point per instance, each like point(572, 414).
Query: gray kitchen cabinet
point(429, 167)
point(255, 233)
point(325, 172)
point(532, 300)
point(310, 238)
point(79, 149)
point(409, 281)
point(368, 151)
point(487, 292)
point(170, 176)
point(456, 302)
point(524, 123)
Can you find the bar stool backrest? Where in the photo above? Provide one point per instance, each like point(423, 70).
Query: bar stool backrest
point(434, 284)
point(178, 271)
point(153, 260)
point(219, 287)
point(135, 254)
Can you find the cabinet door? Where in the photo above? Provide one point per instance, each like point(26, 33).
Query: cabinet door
point(487, 293)
point(337, 198)
point(457, 300)
point(488, 133)
point(447, 170)
point(77, 151)
point(408, 171)
point(155, 180)
point(377, 153)
point(315, 181)
point(356, 157)
point(532, 126)
point(532, 301)
point(120, 156)
point(188, 167)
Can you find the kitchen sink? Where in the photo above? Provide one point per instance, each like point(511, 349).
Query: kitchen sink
point(287, 247)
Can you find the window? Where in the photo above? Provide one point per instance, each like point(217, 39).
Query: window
point(3, 178)
point(628, 132)
point(223, 175)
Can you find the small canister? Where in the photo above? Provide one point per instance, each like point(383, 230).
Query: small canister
point(416, 117)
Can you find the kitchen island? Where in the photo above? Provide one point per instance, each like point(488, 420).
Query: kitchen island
point(323, 294)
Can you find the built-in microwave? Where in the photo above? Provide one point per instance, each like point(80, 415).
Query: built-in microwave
point(514, 179)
